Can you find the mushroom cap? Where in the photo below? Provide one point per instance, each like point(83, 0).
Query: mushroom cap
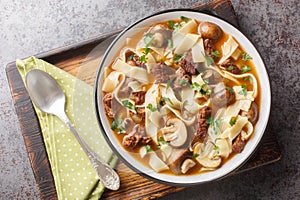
point(161, 34)
point(175, 132)
point(210, 30)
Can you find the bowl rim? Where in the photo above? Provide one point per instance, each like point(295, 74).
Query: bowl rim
point(96, 99)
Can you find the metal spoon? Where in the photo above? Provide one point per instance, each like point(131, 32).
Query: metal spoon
point(48, 96)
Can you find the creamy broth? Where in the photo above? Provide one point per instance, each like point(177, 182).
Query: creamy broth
point(210, 141)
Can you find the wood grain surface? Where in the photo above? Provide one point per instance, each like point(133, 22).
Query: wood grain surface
point(81, 60)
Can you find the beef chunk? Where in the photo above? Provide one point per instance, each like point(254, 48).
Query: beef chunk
point(202, 128)
point(107, 101)
point(209, 47)
point(138, 97)
point(182, 79)
point(229, 66)
point(111, 105)
point(135, 137)
point(238, 144)
point(162, 72)
point(139, 116)
point(189, 66)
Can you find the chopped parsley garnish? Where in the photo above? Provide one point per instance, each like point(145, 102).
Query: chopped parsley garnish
point(248, 78)
point(245, 68)
point(127, 104)
point(162, 140)
point(216, 148)
point(230, 68)
point(148, 148)
point(148, 38)
point(232, 121)
point(246, 56)
point(183, 81)
point(230, 89)
point(170, 43)
point(174, 25)
point(118, 125)
point(210, 120)
point(131, 57)
point(186, 19)
point(201, 88)
point(195, 155)
point(244, 90)
point(165, 99)
point(177, 58)
point(216, 53)
point(151, 107)
point(143, 58)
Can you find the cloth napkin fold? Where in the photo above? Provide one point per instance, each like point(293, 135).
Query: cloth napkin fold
point(74, 175)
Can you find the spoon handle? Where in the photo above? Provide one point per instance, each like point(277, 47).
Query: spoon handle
point(108, 177)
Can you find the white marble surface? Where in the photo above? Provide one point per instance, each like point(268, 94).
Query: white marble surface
point(29, 27)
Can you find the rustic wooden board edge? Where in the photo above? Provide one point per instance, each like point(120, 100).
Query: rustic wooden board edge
point(32, 135)
point(44, 179)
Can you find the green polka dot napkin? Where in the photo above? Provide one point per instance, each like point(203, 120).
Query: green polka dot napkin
point(74, 175)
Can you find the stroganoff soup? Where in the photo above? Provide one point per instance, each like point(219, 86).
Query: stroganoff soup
point(182, 96)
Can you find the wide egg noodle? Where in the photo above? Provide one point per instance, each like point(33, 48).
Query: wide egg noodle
point(198, 52)
point(111, 81)
point(166, 108)
point(224, 147)
point(235, 130)
point(137, 73)
point(234, 109)
point(168, 93)
point(188, 97)
point(187, 43)
point(135, 86)
point(248, 75)
point(246, 134)
point(228, 48)
point(180, 34)
point(150, 118)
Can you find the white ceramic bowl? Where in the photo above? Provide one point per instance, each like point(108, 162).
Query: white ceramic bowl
point(230, 165)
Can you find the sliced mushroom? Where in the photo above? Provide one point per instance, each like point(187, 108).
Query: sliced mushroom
point(210, 30)
point(161, 35)
point(207, 157)
point(175, 132)
point(177, 158)
point(186, 165)
point(252, 113)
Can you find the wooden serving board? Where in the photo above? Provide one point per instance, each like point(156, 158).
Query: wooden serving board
point(82, 60)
